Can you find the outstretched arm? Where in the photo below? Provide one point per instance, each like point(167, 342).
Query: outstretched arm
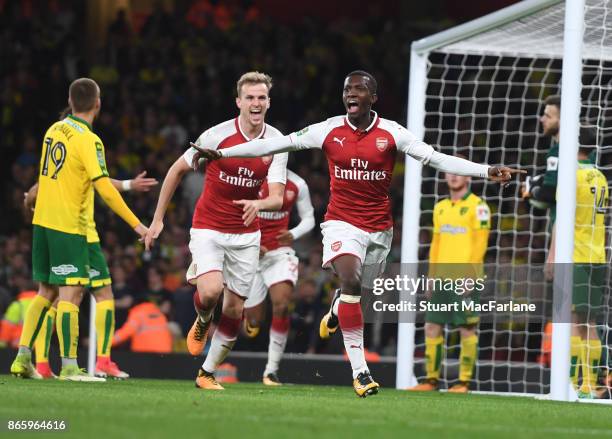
point(140, 183)
point(113, 199)
point(174, 176)
point(426, 154)
point(254, 148)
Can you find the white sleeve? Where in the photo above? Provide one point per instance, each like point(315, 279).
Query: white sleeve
point(311, 137)
point(305, 211)
point(277, 172)
point(427, 155)
point(260, 147)
point(206, 140)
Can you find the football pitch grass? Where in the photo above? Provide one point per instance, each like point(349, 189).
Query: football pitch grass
point(165, 408)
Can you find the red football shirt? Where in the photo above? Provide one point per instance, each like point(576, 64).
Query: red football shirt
point(271, 223)
point(233, 179)
point(360, 168)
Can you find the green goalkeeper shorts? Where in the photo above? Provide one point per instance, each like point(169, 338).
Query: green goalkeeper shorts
point(447, 299)
point(589, 282)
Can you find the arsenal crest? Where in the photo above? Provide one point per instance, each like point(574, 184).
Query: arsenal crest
point(381, 143)
point(336, 246)
point(290, 195)
point(267, 159)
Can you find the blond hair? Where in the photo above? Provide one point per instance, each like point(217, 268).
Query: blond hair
point(253, 78)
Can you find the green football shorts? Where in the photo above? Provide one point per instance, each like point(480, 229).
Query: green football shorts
point(59, 258)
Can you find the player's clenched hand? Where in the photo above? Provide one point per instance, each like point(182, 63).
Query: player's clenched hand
point(155, 229)
point(503, 174)
point(250, 208)
point(142, 184)
point(285, 238)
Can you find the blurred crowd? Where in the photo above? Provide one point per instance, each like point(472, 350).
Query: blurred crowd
point(163, 82)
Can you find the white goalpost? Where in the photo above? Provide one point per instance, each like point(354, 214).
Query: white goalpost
point(479, 89)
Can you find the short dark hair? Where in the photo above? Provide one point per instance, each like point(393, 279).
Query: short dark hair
point(83, 94)
point(374, 85)
point(553, 100)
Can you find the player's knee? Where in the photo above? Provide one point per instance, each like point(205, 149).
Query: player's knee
point(233, 305)
point(467, 331)
point(432, 330)
point(280, 308)
point(48, 292)
point(104, 293)
point(72, 294)
point(350, 283)
point(209, 294)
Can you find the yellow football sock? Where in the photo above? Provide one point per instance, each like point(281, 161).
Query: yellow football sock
point(105, 326)
point(575, 348)
point(467, 357)
point(33, 321)
point(43, 341)
point(433, 356)
point(591, 355)
point(68, 328)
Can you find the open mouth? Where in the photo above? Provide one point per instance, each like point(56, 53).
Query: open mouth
point(352, 105)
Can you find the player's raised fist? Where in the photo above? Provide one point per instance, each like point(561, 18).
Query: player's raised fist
point(503, 173)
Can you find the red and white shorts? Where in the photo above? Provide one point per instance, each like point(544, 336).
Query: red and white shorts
point(276, 266)
point(372, 248)
point(235, 255)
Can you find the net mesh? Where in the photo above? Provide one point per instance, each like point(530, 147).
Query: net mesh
point(484, 98)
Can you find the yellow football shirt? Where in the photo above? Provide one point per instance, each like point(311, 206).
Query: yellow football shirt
point(591, 203)
point(72, 159)
point(456, 223)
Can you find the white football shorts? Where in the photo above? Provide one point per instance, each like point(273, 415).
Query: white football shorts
point(276, 266)
point(372, 248)
point(235, 255)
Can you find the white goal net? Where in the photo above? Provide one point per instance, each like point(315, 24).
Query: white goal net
point(484, 96)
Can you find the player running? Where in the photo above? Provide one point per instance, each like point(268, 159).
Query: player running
point(278, 270)
point(72, 162)
point(589, 272)
point(100, 287)
point(357, 232)
point(225, 231)
point(461, 226)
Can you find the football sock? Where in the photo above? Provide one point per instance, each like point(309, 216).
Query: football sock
point(433, 356)
point(278, 340)
point(575, 348)
point(203, 314)
point(68, 328)
point(591, 355)
point(33, 321)
point(351, 323)
point(43, 341)
point(467, 357)
point(105, 326)
point(222, 342)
